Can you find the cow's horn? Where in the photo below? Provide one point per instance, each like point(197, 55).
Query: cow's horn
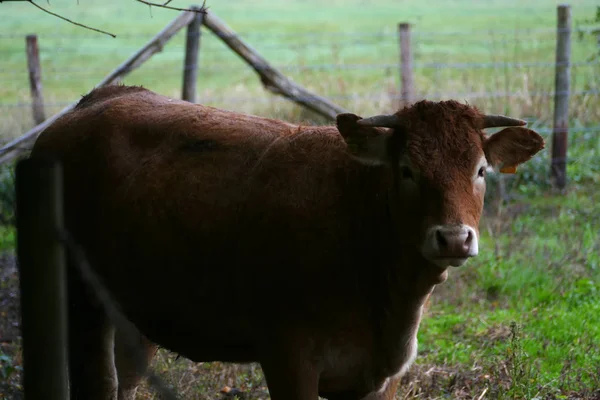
point(493, 121)
point(388, 121)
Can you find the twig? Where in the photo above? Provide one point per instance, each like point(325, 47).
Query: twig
point(482, 394)
point(198, 10)
point(71, 21)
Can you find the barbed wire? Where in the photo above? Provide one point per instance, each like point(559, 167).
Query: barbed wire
point(380, 35)
point(374, 96)
point(215, 48)
point(329, 67)
point(218, 52)
point(210, 40)
point(367, 39)
point(341, 40)
point(542, 130)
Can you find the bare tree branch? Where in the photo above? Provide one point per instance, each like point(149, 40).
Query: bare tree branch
point(148, 3)
point(199, 10)
point(68, 20)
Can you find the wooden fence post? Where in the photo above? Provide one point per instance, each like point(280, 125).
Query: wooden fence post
point(561, 97)
point(190, 66)
point(42, 279)
point(406, 65)
point(35, 78)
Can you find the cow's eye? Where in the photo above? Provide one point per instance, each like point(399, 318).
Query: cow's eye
point(406, 173)
point(481, 172)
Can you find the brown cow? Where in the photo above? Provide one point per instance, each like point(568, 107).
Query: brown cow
point(232, 237)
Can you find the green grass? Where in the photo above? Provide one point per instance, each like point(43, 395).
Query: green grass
point(7, 238)
point(523, 319)
point(545, 276)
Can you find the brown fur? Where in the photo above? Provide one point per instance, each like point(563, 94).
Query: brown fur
point(236, 238)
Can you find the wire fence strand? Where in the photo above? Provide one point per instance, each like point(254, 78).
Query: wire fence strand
point(355, 97)
point(321, 67)
point(337, 34)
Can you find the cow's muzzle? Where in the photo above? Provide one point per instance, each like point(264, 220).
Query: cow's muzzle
point(450, 244)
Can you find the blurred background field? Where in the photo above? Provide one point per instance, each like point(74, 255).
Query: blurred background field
point(482, 51)
point(520, 321)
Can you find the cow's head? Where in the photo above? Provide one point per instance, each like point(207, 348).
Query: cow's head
point(438, 156)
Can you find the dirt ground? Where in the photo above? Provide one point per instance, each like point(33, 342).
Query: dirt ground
point(10, 333)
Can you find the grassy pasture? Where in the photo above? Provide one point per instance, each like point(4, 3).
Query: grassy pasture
point(521, 321)
point(345, 50)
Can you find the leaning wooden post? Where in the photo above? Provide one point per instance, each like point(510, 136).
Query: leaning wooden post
point(406, 65)
point(271, 79)
point(42, 279)
point(35, 78)
point(561, 97)
point(190, 66)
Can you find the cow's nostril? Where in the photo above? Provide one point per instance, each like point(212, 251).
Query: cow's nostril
point(439, 236)
point(469, 239)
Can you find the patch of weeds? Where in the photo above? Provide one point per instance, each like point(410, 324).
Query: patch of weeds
point(10, 373)
point(575, 383)
point(521, 370)
point(7, 195)
point(7, 238)
point(7, 367)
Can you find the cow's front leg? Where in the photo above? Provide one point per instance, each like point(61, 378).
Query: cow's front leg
point(128, 370)
point(289, 370)
point(92, 373)
point(388, 392)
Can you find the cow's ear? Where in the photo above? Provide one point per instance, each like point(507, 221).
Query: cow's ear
point(365, 143)
point(511, 147)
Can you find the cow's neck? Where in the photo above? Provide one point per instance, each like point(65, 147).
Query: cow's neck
point(407, 280)
point(392, 275)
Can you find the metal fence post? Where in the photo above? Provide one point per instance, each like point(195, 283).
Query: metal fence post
point(42, 279)
point(190, 66)
point(561, 97)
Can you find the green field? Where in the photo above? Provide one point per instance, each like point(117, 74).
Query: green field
point(308, 39)
point(522, 321)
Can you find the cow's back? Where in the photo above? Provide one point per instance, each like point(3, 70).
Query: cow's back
point(194, 215)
